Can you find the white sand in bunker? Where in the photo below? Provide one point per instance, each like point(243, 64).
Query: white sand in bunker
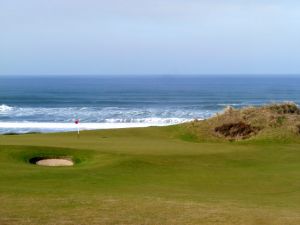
point(55, 162)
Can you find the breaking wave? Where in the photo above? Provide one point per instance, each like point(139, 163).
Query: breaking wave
point(30, 119)
point(5, 109)
point(102, 115)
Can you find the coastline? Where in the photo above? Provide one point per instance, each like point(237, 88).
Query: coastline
point(48, 127)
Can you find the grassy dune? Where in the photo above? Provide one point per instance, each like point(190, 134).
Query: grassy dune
point(167, 175)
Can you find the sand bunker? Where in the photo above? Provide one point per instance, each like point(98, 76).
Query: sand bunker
point(55, 162)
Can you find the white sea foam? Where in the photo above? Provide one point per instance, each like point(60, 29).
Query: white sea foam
point(230, 104)
point(151, 120)
point(101, 114)
point(5, 109)
point(25, 127)
point(44, 119)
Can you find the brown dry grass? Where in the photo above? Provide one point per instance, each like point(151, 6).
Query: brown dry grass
point(279, 121)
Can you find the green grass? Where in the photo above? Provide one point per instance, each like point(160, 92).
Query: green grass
point(149, 176)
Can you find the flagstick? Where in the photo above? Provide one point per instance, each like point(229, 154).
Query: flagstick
point(78, 128)
point(78, 131)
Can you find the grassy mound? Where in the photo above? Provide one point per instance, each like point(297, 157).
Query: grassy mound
point(276, 121)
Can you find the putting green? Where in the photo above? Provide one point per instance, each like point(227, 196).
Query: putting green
point(148, 176)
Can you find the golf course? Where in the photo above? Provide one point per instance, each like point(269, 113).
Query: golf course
point(239, 167)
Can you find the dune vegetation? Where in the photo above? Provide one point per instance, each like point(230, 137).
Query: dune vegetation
point(241, 166)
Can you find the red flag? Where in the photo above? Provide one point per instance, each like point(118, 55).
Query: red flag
point(77, 121)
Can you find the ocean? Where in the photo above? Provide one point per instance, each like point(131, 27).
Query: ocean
point(50, 104)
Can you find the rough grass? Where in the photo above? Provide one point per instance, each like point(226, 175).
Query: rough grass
point(277, 121)
point(153, 175)
point(239, 130)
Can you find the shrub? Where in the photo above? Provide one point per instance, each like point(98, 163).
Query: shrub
point(236, 130)
point(286, 108)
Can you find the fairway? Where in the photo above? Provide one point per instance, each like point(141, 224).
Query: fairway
point(148, 176)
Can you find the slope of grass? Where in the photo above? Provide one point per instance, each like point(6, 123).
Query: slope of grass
point(167, 175)
point(138, 176)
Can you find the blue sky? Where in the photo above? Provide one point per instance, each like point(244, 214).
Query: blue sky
point(43, 37)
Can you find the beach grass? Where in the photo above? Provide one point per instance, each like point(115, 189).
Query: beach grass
point(148, 176)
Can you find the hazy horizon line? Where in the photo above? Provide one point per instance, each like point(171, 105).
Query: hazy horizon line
point(155, 75)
